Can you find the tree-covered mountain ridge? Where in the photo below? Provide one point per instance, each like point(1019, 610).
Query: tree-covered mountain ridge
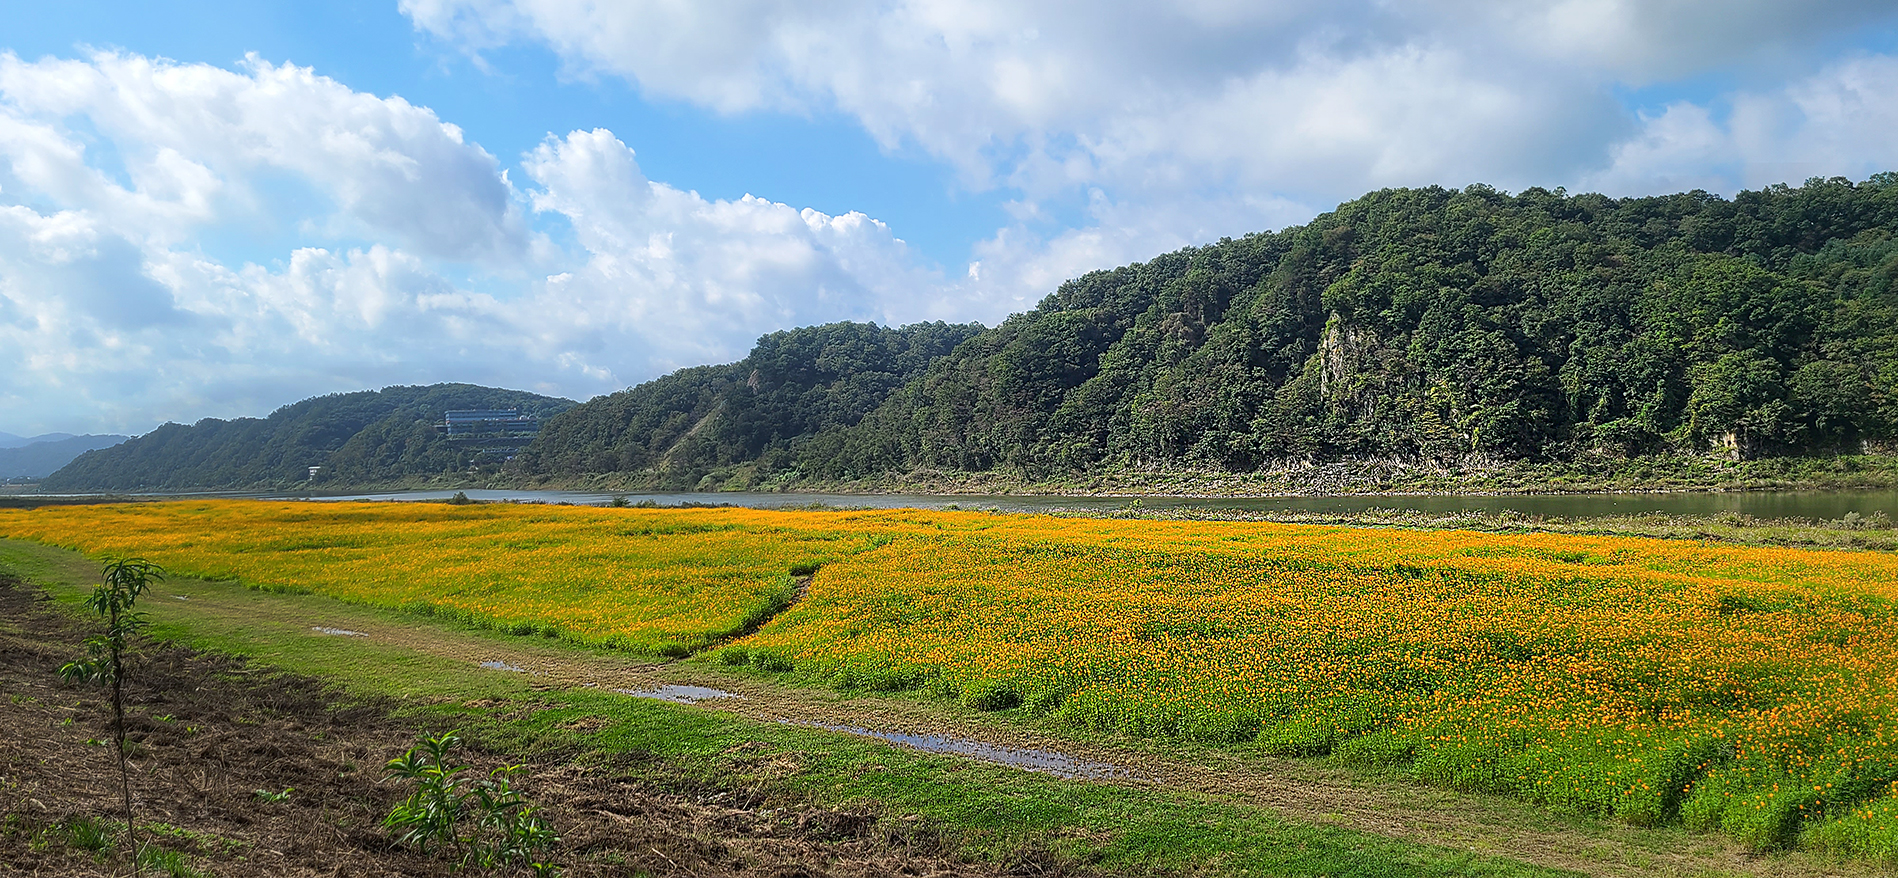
point(367, 438)
point(1411, 330)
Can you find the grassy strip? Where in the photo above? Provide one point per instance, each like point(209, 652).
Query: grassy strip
point(988, 813)
point(1587, 474)
point(1876, 532)
point(1668, 472)
point(992, 813)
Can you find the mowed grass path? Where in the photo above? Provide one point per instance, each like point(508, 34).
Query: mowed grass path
point(1749, 690)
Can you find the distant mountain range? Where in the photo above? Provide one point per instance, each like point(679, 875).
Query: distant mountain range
point(369, 437)
point(1448, 328)
point(40, 456)
point(8, 440)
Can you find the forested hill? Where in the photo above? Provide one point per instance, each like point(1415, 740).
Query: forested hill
point(1413, 324)
point(797, 384)
point(375, 436)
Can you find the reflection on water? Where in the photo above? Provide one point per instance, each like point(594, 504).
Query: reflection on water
point(1823, 505)
point(1044, 761)
point(337, 632)
point(678, 693)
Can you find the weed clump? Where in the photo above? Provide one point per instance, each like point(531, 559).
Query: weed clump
point(990, 695)
point(484, 823)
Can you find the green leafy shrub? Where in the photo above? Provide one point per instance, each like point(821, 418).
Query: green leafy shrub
point(485, 823)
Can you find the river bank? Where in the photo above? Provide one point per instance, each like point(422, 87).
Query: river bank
point(1364, 477)
point(1667, 474)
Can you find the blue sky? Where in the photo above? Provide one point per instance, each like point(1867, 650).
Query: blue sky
point(213, 209)
point(811, 159)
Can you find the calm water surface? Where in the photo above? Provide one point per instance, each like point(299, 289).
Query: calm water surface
point(1760, 504)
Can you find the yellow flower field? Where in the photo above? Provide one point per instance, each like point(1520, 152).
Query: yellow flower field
point(1750, 690)
point(640, 580)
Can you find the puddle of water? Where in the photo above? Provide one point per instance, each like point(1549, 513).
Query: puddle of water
point(1046, 762)
point(1043, 761)
point(503, 666)
point(339, 632)
point(678, 694)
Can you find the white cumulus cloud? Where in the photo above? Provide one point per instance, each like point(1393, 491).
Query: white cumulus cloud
point(1319, 98)
point(700, 279)
point(180, 240)
point(1836, 122)
point(1194, 111)
point(168, 147)
point(415, 258)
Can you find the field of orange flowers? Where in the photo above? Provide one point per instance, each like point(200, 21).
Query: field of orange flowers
point(1748, 690)
point(661, 584)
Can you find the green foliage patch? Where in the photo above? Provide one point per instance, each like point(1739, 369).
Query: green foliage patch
point(1440, 326)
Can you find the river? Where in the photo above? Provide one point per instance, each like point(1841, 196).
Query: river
point(1822, 505)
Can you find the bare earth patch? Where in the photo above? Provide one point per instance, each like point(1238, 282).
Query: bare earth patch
point(216, 740)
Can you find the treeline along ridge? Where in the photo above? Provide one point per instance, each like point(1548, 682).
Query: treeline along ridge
point(369, 436)
point(1423, 324)
point(1427, 325)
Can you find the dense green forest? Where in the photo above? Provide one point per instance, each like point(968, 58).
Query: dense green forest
point(797, 384)
point(374, 436)
point(1456, 327)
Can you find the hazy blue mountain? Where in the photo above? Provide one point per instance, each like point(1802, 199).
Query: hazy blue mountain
point(40, 456)
point(8, 440)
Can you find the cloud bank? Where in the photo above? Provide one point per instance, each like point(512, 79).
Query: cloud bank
point(116, 171)
point(1161, 125)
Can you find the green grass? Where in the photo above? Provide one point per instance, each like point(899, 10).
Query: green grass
point(986, 812)
point(993, 813)
point(1875, 533)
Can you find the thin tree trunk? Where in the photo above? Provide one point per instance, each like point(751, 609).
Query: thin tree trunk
point(118, 737)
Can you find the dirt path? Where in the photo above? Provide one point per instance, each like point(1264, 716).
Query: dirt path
point(1301, 790)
